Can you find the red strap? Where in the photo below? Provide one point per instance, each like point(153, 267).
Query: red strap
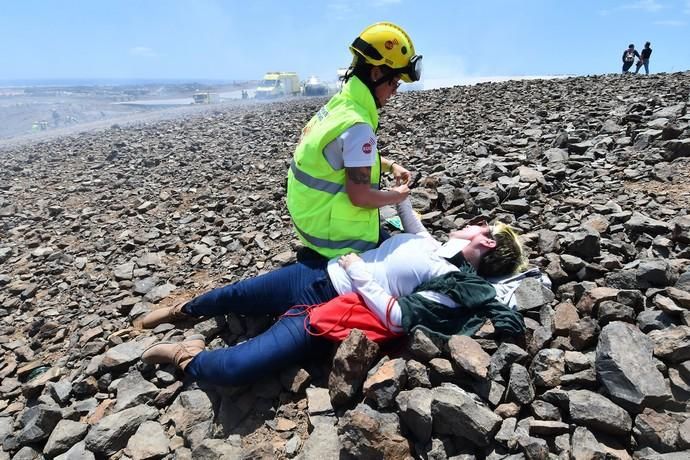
point(329, 330)
point(389, 307)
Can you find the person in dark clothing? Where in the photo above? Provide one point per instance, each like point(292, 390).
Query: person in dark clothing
point(629, 56)
point(644, 58)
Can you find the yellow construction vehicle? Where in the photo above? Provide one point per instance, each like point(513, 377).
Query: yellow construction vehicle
point(278, 84)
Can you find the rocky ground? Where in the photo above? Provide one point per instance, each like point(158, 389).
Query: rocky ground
point(99, 228)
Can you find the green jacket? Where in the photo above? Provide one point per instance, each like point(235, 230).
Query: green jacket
point(477, 300)
point(323, 215)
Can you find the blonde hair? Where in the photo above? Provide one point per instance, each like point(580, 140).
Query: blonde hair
point(508, 256)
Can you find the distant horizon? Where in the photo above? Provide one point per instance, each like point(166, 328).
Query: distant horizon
point(430, 83)
point(78, 81)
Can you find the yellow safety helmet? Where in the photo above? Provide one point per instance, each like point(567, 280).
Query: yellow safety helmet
point(384, 43)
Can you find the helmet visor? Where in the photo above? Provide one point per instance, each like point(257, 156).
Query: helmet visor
point(413, 71)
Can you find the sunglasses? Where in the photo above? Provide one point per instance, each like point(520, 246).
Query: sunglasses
point(477, 220)
point(480, 221)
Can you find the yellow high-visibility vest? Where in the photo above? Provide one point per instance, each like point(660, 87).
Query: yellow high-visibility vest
point(323, 215)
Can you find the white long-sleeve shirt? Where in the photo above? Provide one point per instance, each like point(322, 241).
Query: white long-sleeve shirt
point(394, 269)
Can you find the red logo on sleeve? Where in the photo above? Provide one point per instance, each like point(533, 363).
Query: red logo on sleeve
point(366, 148)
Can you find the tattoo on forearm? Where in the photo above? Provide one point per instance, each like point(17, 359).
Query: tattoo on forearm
point(359, 175)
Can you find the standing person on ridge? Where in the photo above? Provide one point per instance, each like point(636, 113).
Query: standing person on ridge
point(333, 192)
point(629, 56)
point(644, 58)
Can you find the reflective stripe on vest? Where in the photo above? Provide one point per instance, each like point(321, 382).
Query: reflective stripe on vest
point(357, 245)
point(319, 184)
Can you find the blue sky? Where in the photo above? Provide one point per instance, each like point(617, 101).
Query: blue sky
point(224, 40)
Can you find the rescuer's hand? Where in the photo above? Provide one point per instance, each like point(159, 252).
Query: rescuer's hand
point(403, 192)
point(401, 175)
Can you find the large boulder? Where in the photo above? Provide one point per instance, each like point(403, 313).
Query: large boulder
point(351, 364)
point(367, 434)
point(625, 366)
point(458, 413)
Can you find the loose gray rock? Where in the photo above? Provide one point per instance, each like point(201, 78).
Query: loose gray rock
point(28, 453)
point(584, 333)
point(520, 387)
point(192, 414)
point(503, 358)
point(113, 431)
point(625, 367)
point(597, 412)
point(640, 223)
point(384, 382)
point(37, 423)
point(149, 441)
point(319, 401)
point(323, 442)
point(531, 294)
point(366, 433)
point(649, 320)
point(351, 363)
point(415, 412)
point(547, 367)
point(77, 452)
point(133, 390)
point(656, 430)
point(585, 446)
point(541, 410)
point(469, 356)
point(458, 413)
point(66, 434)
point(123, 354)
point(585, 245)
point(672, 343)
point(422, 347)
point(215, 449)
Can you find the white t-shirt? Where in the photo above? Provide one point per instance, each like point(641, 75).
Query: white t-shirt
point(395, 269)
point(398, 265)
point(355, 147)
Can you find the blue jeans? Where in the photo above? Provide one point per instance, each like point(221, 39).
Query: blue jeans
point(285, 343)
point(645, 63)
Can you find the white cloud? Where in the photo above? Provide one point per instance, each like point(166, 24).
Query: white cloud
point(142, 51)
point(646, 5)
point(670, 23)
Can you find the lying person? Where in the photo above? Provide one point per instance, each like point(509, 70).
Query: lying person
point(427, 285)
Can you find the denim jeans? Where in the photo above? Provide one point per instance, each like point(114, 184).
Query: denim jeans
point(285, 343)
point(645, 63)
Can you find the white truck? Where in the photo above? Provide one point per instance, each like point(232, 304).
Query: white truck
point(315, 87)
point(278, 84)
point(206, 98)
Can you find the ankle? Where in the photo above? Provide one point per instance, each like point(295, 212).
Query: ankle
point(185, 309)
